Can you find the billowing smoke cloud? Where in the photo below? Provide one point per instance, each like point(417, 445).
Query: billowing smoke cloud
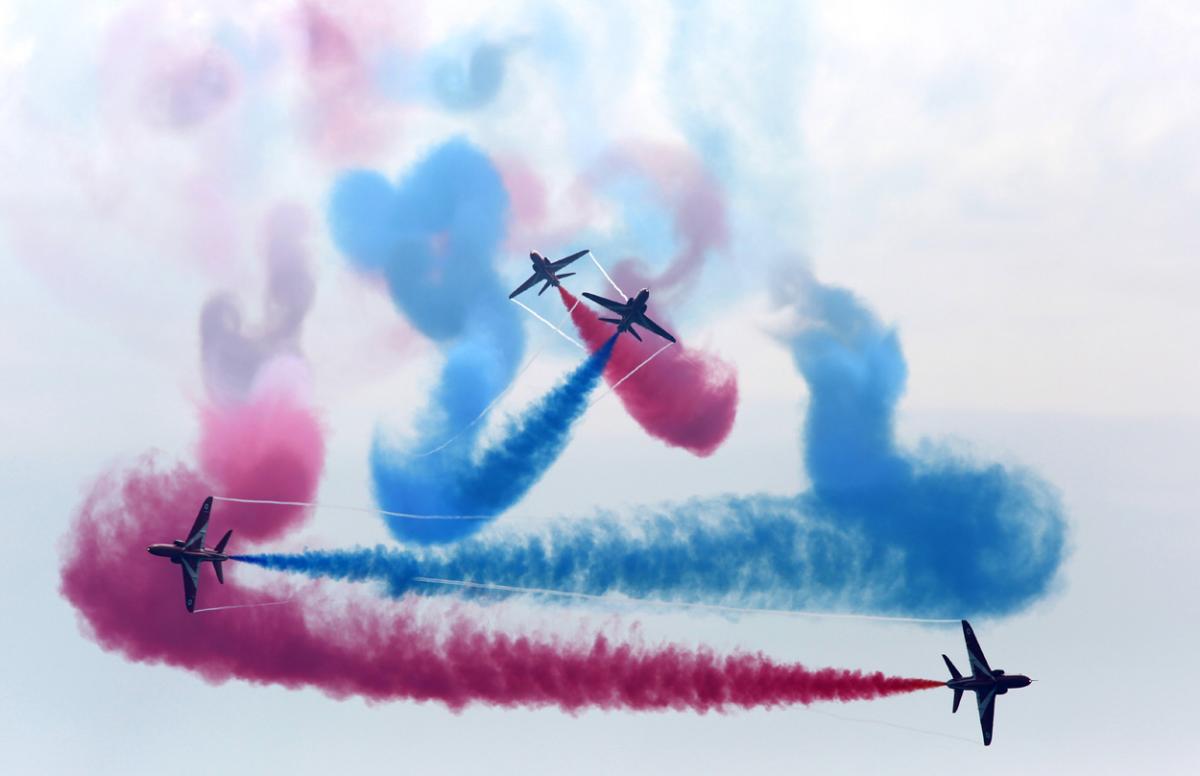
point(677, 180)
point(685, 397)
point(270, 447)
point(458, 481)
point(382, 652)
point(432, 239)
point(343, 47)
point(881, 530)
point(468, 76)
point(232, 353)
point(259, 435)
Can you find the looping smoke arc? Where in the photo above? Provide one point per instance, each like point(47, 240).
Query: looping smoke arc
point(881, 530)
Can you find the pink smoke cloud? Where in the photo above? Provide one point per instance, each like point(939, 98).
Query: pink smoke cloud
point(378, 650)
point(270, 447)
point(685, 187)
point(685, 397)
point(342, 45)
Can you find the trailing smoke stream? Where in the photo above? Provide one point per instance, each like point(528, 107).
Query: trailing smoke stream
point(384, 651)
point(881, 530)
point(688, 399)
point(463, 482)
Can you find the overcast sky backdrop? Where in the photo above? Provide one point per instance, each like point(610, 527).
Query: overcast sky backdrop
point(1015, 187)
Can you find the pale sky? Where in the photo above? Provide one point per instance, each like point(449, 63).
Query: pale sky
point(1013, 188)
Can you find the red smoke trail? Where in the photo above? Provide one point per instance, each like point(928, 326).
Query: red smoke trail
point(686, 397)
point(132, 603)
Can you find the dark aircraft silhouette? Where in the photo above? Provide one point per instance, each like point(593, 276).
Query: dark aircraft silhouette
point(631, 311)
point(546, 271)
point(190, 553)
point(984, 681)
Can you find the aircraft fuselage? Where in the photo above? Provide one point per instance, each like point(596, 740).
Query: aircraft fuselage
point(636, 308)
point(176, 551)
point(1001, 682)
point(541, 267)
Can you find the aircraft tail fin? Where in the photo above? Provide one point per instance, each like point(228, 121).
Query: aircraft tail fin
point(954, 674)
point(957, 700)
point(224, 540)
point(220, 574)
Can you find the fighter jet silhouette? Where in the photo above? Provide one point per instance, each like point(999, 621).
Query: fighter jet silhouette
point(546, 271)
point(631, 311)
point(984, 681)
point(190, 553)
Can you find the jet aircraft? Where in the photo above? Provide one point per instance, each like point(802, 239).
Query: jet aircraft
point(632, 311)
point(190, 553)
point(546, 272)
point(984, 681)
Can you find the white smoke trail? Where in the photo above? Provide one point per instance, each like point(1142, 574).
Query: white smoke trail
point(677, 604)
point(242, 606)
point(612, 282)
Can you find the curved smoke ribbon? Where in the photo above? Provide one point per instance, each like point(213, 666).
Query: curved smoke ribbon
point(881, 530)
point(432, 238)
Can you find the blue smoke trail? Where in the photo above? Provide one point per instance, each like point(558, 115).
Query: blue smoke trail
point(455, 481)
point(881, 530)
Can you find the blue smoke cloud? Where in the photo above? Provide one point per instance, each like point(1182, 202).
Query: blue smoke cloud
point(432, 237)
point(464, 81)
point(881, 530)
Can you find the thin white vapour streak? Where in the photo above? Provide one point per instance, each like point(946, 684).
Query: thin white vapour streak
point(617, 384)
point(565, 336)
point(499, 396)
point(675, 604)
point(368, 510)
point(892, 725)
point(242, 606)
point(612, 282)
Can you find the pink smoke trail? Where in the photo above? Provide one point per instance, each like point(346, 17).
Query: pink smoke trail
point(364, 647)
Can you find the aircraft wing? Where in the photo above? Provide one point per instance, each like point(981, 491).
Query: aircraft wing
point(567, 260)
point(979, 664)
point(987, 711)
point(616, 307)
point(645, 322)
point(528, 284)
point(195, 537)
point(191, 578)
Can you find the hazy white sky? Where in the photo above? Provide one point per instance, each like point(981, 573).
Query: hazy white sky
point(1014, 187)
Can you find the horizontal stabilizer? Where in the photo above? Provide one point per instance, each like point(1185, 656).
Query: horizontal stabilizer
point(954, 674)
point(611, 320)
point(957, 700)
point(224, 540)
point(217, 568)
point(565, 275)
point(544, 287)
